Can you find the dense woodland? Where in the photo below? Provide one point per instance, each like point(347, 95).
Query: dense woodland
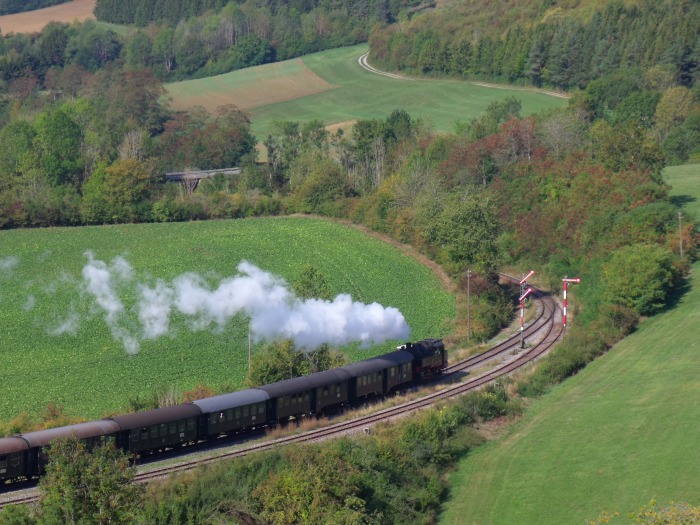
point(580, 191)
point(556, 50)
point(8, 7)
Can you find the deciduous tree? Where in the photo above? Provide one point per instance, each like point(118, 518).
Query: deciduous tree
point(87, 487)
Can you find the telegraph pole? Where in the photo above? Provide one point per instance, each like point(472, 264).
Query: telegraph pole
point(469, 320)
point(680, 232)
point(249, 345)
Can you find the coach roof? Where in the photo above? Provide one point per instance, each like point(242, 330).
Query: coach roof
point(232, 400)
point(157, 416)
point(91, 429)
point(13, 444)
point(301, 384)
point(377, 364)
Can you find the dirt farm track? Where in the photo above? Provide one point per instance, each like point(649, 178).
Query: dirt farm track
point(34, 21)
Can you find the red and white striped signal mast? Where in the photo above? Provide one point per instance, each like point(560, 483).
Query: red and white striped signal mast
point(523, 294)
point(567, 281)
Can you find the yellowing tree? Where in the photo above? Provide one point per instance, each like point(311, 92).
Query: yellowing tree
point(676, 104)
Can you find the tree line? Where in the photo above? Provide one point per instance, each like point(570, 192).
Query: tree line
point(562, 50)
point(8, 7)
point(191, 40)
point(143, 12)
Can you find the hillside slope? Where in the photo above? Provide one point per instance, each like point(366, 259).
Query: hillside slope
point(622, 432)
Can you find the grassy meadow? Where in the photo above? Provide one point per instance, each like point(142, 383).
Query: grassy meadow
point(349, 93)
point(90, 373)
point(622, 432)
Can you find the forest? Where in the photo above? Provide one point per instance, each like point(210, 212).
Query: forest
point(563, 52)
point(8, 7)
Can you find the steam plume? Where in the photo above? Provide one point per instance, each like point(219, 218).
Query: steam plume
point(274, 311)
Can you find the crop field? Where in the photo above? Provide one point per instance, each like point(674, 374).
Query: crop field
point(350, 93)
point(622, 432)
point(259, 86)
point(57, 344)
point(34, 21)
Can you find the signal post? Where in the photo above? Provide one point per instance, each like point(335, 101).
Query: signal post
point(523, 294)
point(567, 281)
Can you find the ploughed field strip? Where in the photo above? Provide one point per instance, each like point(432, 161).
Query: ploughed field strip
point(544, 328)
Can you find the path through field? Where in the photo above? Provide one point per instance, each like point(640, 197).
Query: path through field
point(364, 62)
point(34, 21)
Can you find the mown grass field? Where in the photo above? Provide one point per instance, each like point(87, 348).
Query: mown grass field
point(622, 432)
point(357, 94)
point(90, 373)
point(34, 21)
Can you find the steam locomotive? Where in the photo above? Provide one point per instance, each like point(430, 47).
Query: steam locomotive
point(24, 456)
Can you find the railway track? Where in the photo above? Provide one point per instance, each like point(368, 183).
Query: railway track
point(544, 322)
point(543, 327)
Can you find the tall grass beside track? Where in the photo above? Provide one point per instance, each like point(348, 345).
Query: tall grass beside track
point(90, 373)
point(622, 432)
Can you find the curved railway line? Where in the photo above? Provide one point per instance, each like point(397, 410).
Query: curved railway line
point(543, 328)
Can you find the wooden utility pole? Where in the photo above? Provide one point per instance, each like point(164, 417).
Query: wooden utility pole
point(680, 232)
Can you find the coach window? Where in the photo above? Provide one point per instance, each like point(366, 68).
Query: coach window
point(172, 428)
point(3, 461)
point(261, 408)
point(245, 411)
point(163, 430)
point(154, 431)
point(190, 424)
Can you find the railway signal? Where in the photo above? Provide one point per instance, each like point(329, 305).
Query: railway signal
point(523, 294)
point(522, 315)
point(567, 281)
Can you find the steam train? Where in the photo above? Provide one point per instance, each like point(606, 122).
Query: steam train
point(24, 456)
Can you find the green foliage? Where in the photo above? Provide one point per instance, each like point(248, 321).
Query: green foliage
point(58, 139)
point(19, 6)
point(463, 224)
point(321, 189)
point(17, 515)
point(312, 284)
point(652, 514)
point(282, 360)
point(570, 45)
point(87, 487)
point(320, 486)
point(640, 277)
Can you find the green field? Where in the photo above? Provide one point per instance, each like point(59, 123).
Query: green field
point(622, 432)
point(90, 373)
point(685, 181)
point(359, 94)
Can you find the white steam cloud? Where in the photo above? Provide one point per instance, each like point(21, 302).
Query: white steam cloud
point(99, 282)
point(274, 311)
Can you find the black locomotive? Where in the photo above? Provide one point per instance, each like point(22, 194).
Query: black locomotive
point(24, 456)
